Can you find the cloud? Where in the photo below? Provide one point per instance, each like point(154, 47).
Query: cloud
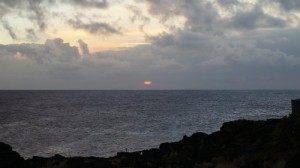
point(216, 17)
point(3, 10)
point(164, 9)
point(83, 47)
point(10, 30)
point(38, 12)
point(163, 39)
point(138, 16)
point(52, 52)
point(38, 16)
point(256, 18)
point(199, 49)
point(199, 16)
point(31, 35)
point(34, 9)
point(289, 4)
point(91, 3)
point(98, 28)
point(228, 3)
point(60, 51)
point(188, 61)
point(219, 17)
point(37, 3)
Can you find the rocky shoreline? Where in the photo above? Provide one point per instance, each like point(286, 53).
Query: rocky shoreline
point(243, 143)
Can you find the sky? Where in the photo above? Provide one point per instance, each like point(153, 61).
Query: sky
point(175, 44)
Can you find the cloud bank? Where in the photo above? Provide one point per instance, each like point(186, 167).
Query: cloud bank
point(219, 44)
point(184, 62)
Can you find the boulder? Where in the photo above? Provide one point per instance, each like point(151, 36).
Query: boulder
point(10, 158)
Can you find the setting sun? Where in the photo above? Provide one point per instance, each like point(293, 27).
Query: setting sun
point(147, 83)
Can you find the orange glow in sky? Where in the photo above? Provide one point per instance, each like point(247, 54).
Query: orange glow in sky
point(147, 83)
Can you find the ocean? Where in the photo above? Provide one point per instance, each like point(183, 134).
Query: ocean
point(102, 123)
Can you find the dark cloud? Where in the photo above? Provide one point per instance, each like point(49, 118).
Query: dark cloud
point(37, 14)
point(60, 51)
point(12, 3)
point(228, 2)
point(83, 47)
point(164, 9)
point(32, 3)
point(52, 52)
point(204, 16)
point(38, 11)
point(162, 40)
point(286, 40)
point(94, 27)
point(138, 16)
point(35, 9)
point(31, 35)
point(209, 50)
point(290, 4)
point(3, 10)
point(91, 3)
point(9, 29)
point(255, 18)
point(199, 15)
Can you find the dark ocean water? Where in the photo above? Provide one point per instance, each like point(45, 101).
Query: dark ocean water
point(102, 123)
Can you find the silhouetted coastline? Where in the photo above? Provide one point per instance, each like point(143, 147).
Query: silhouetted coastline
point(241, 143)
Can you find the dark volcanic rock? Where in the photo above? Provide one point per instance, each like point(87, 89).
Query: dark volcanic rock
point(58, 161)
point(10, 158)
